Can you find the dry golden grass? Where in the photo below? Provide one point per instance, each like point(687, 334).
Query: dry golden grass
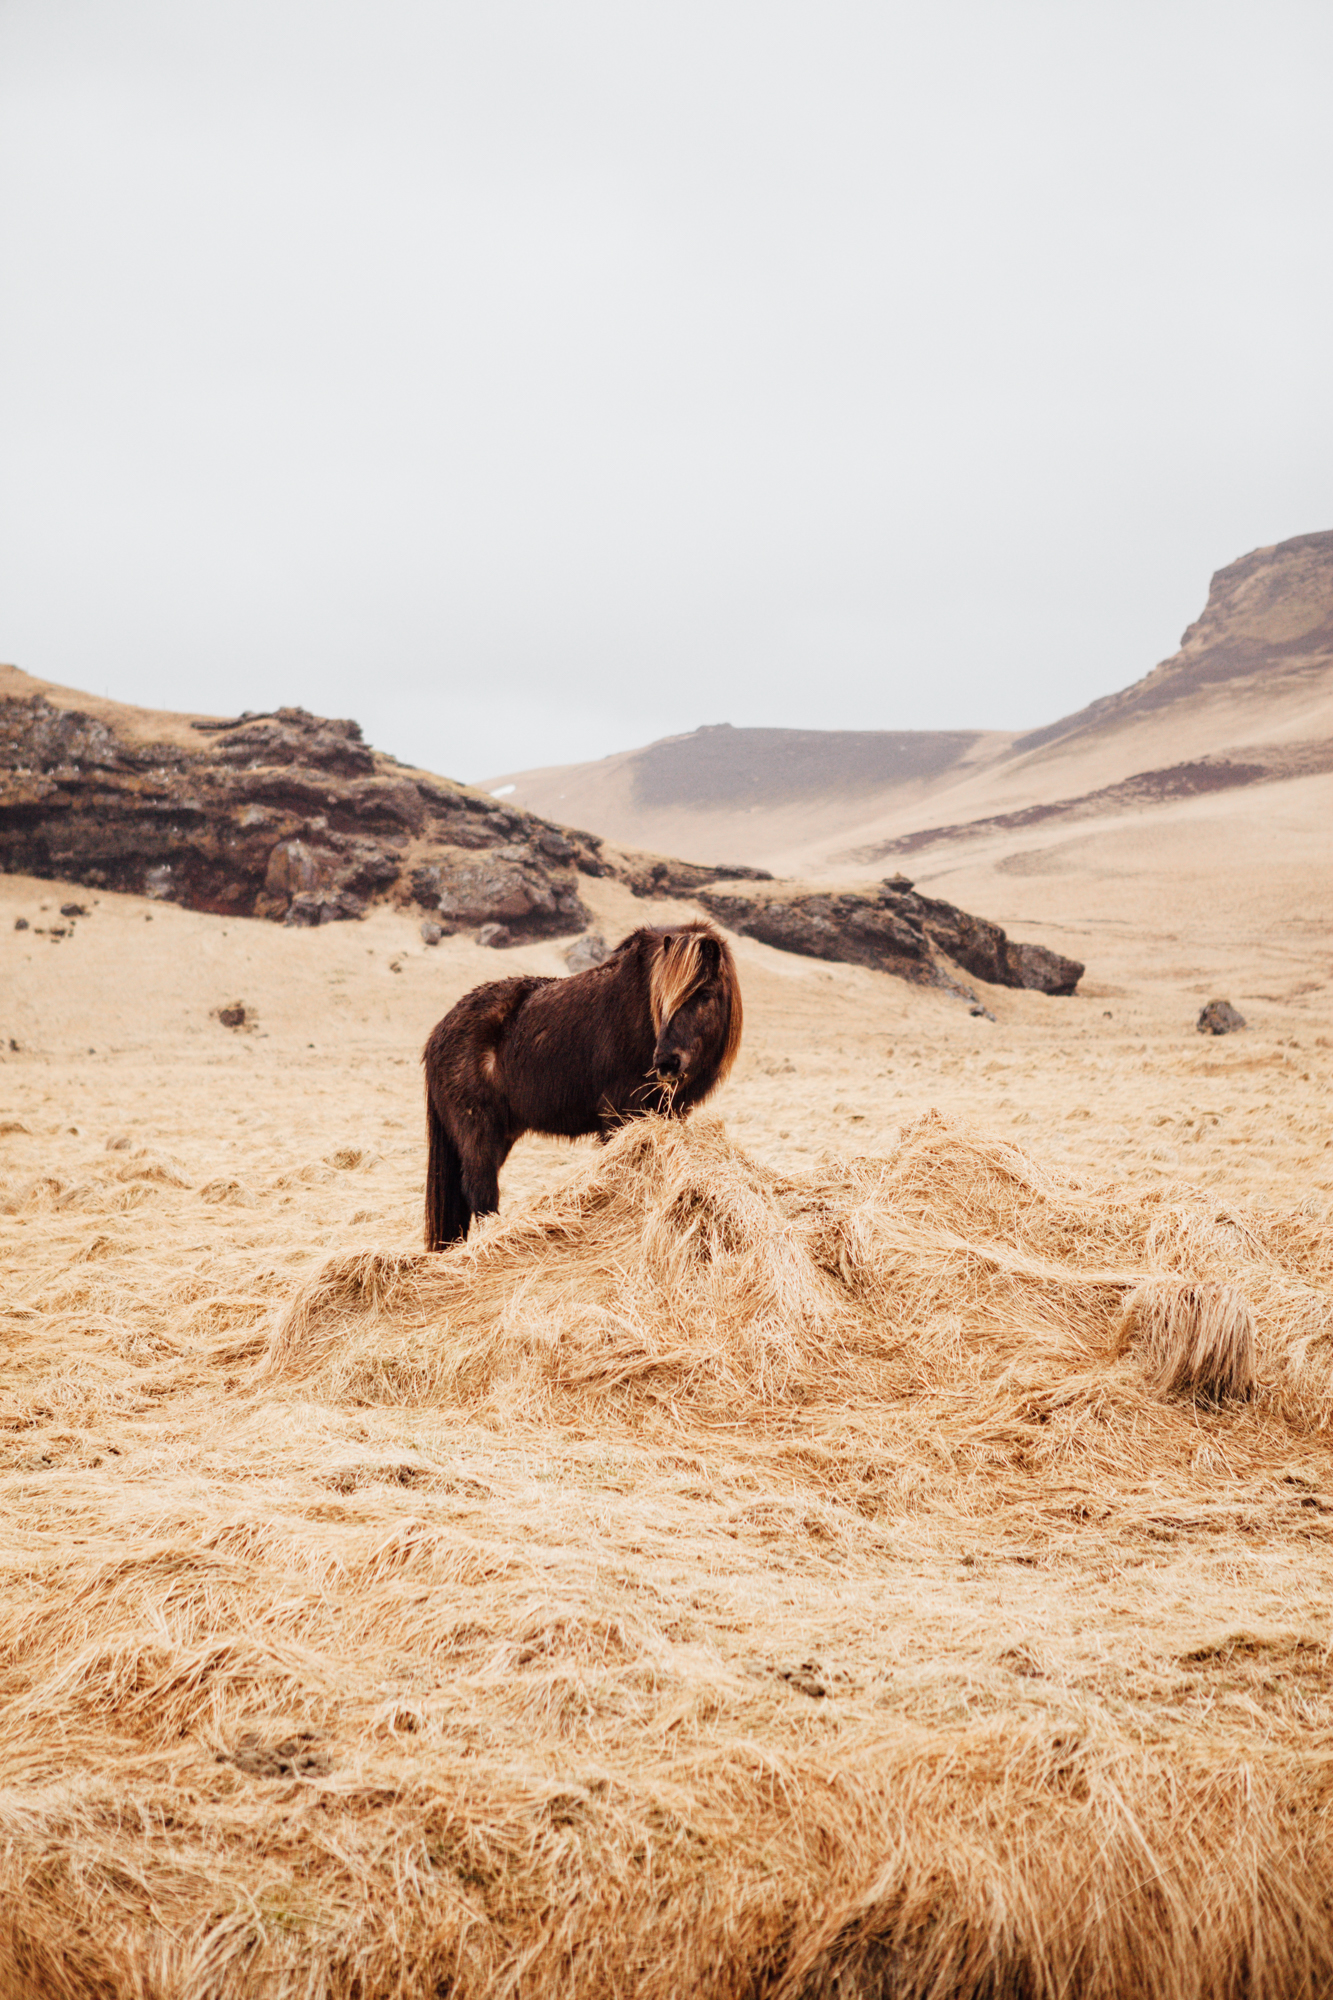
point(738, 1571)
point(690, 1717)
point(1195, 1339)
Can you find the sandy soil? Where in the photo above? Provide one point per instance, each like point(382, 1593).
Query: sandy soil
point(169, 1184)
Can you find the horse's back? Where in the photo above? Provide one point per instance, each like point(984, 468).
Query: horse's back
point(577, 1046)
point(474, 1030)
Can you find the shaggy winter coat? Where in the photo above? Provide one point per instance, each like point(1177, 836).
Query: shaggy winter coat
point(655, 1027)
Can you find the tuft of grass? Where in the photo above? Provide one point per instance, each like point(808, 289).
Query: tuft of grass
point(1194, 1339)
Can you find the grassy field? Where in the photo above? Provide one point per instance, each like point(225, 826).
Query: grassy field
point(765, 1562)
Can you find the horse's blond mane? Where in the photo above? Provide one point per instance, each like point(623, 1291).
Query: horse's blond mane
point(678, 971)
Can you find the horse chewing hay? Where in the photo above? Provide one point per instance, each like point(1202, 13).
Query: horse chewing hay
point(654, 1027)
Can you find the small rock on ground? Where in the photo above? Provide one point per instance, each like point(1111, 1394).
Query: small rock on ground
point(585, 952)
point(1219, 1017)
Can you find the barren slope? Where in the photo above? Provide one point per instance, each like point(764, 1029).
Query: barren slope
point(1246, 700)
point(745, 792)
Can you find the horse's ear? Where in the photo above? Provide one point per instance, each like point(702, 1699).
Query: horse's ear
point(711, 949)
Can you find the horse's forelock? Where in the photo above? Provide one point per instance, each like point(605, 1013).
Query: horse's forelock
point(677, 970)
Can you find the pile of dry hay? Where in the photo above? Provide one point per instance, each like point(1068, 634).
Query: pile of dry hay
point(680, 1282)
point(906, 1578)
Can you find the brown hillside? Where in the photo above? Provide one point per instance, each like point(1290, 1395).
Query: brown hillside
point(1248, 699)
point(1268, 622)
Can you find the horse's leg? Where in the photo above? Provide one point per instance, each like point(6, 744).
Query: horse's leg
point(448, 1213)
point(484, 1152)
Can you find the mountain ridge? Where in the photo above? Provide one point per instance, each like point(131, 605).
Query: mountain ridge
point(1250, 688)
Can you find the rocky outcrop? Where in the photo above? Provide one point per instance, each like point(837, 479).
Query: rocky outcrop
point(892, 929)
point(657, 875)
point(288, 816)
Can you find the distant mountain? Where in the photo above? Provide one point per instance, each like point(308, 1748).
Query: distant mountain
point(1268, 622)
point(683, 793)
point(1247, 699)
point(738, 768)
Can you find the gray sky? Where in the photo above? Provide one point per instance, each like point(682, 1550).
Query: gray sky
point(531, 378)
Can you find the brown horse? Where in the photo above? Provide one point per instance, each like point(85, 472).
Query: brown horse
point(654, 1027)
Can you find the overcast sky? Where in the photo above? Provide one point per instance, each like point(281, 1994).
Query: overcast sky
point(533, 378)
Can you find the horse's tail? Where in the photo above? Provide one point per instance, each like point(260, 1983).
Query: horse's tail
point(448, 1211)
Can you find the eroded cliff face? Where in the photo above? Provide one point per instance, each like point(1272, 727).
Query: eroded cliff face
point(288, 816)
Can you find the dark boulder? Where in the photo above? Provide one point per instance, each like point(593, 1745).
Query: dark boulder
point(1040, 969)
point(1219, 1017)
point(891, 928)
